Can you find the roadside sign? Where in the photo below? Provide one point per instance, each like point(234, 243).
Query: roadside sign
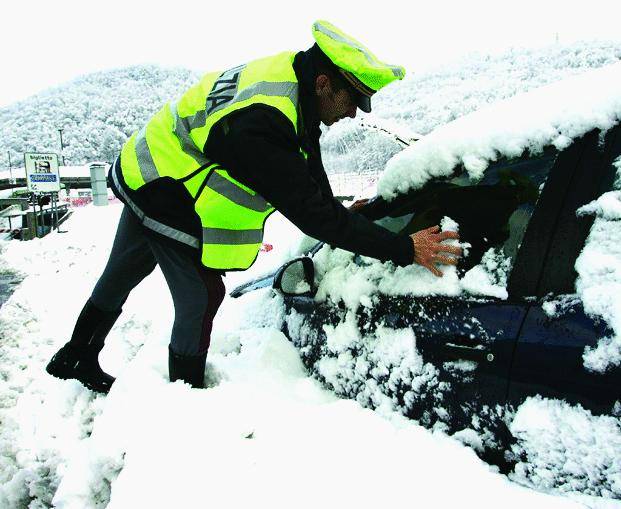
point(42, 172)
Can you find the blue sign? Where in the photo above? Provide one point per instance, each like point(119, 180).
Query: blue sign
point(42, 177)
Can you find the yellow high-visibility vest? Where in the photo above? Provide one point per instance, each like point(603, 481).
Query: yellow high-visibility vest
point(171, 145)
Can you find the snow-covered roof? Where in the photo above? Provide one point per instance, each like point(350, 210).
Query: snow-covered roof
point(551, 115)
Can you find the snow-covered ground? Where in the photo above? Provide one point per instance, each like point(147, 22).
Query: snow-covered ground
point(264, 432)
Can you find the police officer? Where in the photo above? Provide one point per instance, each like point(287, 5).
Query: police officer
point(202, 177)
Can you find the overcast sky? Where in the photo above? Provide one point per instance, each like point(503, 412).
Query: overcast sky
point(46, 43)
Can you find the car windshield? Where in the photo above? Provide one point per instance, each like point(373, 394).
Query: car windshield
point(491, 213)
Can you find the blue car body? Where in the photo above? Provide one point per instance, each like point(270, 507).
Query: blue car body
point(488, 354)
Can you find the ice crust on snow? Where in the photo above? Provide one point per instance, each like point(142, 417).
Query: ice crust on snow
point(530, 121)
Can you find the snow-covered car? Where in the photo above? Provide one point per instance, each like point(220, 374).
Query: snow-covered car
point(528, 310)
point(516, 329)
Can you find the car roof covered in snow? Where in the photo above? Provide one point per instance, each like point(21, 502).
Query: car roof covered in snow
point(552, 115)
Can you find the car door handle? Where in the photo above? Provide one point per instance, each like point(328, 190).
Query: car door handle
point(469, 353)
point(301, 303)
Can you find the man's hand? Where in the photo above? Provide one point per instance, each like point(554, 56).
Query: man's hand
point(428, 248)
point(358, 204)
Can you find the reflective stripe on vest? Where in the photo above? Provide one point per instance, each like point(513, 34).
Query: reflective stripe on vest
point(232, 237)
point(232, 217)
point(210, 235)
point(183, 126)
point(221, 185)
point(151, 223)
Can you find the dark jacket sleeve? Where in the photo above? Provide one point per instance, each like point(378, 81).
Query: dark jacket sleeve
point(259, 148)
point(315, 164)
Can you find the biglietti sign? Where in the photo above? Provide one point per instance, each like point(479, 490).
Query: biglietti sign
point(42, 172)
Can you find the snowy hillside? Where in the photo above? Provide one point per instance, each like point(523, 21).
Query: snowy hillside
point(98, 113)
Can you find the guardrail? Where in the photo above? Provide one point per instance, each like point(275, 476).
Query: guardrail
point(18, 207)
point(70, 182)
point(33, 223)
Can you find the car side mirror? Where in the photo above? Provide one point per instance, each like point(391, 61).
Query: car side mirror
point(296, 277)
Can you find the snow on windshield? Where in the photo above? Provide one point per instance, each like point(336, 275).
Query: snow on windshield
point(356, 280)
point(551, 115)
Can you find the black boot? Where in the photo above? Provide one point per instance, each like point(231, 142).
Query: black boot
point(78, 359)
point(189, 368)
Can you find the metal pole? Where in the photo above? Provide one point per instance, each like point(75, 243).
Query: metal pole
point(30, 225)
point(52, 215)
point(62, 146)
point(55, 201)
point(10, 166)
point(40, 222)
point(36, 222)
point(42, 219)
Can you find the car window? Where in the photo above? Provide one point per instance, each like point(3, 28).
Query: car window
point(592, 177)
point(492, 213)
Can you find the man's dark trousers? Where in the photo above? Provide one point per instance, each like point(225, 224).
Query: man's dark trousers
point(197, 291)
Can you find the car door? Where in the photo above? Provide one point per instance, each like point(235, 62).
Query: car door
point(513, 339)
point(471, 339)
point(548, 358)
